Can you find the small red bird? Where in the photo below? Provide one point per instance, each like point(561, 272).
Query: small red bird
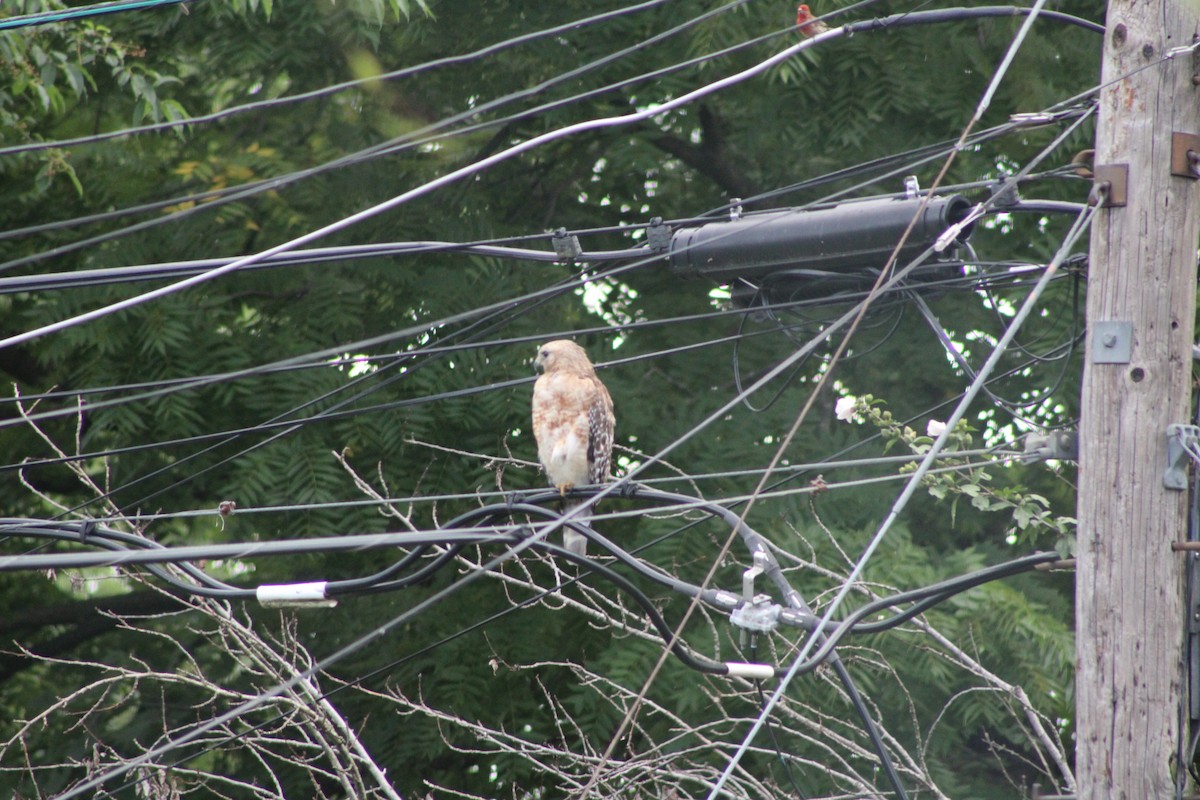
point(808, 24)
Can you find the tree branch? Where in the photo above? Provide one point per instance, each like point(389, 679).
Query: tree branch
point(710, 157)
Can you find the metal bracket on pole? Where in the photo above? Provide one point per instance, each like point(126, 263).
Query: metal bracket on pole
point(1182, 441)
point(1115, 180)
point(1112, 342)
point(1185, 155)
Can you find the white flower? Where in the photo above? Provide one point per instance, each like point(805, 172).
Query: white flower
point(844, 408)
point(935, 428)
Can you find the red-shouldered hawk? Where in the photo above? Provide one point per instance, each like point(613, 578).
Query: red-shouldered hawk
point(573, 423)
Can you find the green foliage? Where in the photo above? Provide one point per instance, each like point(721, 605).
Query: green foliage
point(429, 411)
point(1032, 517)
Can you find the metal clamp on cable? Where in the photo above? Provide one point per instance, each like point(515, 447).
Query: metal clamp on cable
point(658, 235)
point(955, 231)
point(566, 245)
point(756, 614)
point(1059, 445)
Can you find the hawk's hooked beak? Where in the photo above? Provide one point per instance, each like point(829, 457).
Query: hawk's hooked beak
point(538, 367)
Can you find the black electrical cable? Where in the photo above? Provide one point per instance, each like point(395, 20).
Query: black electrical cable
point(1071, 266)
point(320, 255)
point(922, 155)
point(326, 91)
point(737, 367)
point(1189, 723)
point(943, 589)
point(923, 597)
point(471, 332)
point(481, 522)
point(775, 309)
point(904, 20)
point(119, 542)
point(1013, 407)
point(129, 550)
point(215, 199)
point(480, 526)
point(323, 359)
point(155, 752)
point(897, 20)
point(294, 258)
point(787, 765)
point(762, 556)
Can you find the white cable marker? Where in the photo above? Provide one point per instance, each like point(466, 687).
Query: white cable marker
point(293, 595)
point(757, 672)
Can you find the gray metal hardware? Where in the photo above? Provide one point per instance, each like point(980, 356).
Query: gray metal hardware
point(1182, 441)
point(1112, 342)
point(1059, 445)
point(566, 245)
point(760, 616)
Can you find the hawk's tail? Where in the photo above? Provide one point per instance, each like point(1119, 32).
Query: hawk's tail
point(573, 541)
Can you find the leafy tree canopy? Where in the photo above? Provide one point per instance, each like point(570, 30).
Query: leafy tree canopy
point(292, 395)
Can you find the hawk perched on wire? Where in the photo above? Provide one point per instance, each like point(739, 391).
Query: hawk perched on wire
point(573, 423)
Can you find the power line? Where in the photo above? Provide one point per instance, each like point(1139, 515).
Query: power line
point(740, 393)
point(366, 343)
point(419, 191)
point(910, 488)
point(798, 615)
point(423, 136)
point(1008, 272)
point(62, 15)
point(990, 457)
point(319, 255)
point(327, 91)
point(408, 140)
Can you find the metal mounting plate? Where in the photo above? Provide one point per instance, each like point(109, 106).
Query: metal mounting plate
point(1183, 164)
point(1112, 342)
point(1116, 178)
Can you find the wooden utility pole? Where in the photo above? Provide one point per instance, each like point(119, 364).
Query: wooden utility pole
point(1141, 305)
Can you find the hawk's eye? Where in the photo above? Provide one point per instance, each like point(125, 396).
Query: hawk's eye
point(545, 354)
